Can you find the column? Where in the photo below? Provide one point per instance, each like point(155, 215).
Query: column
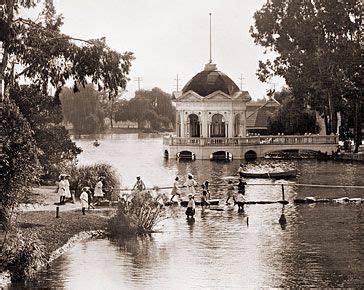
point(230, 133)
point(182, 124)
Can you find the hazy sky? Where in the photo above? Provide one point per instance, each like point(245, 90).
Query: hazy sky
point(172, 36)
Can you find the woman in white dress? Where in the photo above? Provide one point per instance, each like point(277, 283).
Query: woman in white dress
point(175, 189)
point(67, 187)
point(190, 184)
point(61, 188)
point(98, 193)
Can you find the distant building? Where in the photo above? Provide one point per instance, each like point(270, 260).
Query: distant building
point(258, 113)
point(212, 105)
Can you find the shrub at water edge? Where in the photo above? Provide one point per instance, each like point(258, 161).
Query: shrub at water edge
point(24, 255)
point(137, 216)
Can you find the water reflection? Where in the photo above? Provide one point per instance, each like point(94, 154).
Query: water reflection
point(265, 246)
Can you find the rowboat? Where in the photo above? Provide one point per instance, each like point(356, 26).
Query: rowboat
point(276, 175)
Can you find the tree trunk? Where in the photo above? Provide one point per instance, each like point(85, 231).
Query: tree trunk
point(357, 124)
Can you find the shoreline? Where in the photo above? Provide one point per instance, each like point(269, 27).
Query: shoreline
point(59, 235)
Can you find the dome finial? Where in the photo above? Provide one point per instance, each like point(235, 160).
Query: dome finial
point(210, 61)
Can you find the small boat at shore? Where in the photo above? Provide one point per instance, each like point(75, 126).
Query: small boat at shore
point(275, 175)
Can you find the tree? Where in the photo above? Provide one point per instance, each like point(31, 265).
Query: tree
point(56, 150)
point(292, 118)
point(317, 44)
point(20, 158)
point(48, 59)
point(154, 106)
point(83, 109)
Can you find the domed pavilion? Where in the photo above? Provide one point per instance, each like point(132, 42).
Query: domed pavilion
point(211, 105)
point(212, 119)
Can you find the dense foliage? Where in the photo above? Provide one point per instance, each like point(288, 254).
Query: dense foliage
point(47, 59)
point(87, 175)
point(137, 216)
point(317, 48)
point(24, 255)
point(20, 163)
point(83, 109)
point(292, 118)
point(44, 115)
point(154, 107)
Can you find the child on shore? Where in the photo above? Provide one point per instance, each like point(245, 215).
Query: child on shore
point(84, 199)
point(190, 211)
point(230, 192)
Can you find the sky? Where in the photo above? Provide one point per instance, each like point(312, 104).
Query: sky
point(170, 37)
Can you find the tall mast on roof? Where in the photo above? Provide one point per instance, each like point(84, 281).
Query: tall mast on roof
point(210, 61)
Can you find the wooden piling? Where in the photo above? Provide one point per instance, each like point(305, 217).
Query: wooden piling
point(57, 212)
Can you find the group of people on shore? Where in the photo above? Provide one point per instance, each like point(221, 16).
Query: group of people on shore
point(87, 198)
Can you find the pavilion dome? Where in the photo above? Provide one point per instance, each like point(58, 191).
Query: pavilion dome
point(211, 80)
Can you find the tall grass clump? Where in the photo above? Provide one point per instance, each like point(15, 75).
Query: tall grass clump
point(87, 175)
point(137, 216)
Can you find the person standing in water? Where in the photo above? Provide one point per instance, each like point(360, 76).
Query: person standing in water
point(241, 186)
point(204, 201)
point(240, 200)
point(190, 184)
point(175, 189)
point(230, 192)
point(207, 189)
point(241, 170)
point(190, 211)
point(84, 199)
point(139, 185)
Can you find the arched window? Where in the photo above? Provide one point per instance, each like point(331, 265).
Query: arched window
point(217, 126)
point(194, 125)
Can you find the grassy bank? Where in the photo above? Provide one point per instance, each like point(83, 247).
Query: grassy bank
point(55, 232)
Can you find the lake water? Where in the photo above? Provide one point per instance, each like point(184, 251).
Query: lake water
point(322, 244)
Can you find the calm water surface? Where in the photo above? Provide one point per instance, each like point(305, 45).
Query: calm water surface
point(322, 245)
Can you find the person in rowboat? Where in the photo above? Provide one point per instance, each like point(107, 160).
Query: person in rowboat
point(176, 188)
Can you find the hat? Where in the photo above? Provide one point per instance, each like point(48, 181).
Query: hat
point(190, 195)
point(190, 174)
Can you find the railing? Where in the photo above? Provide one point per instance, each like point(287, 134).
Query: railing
point(253, 140)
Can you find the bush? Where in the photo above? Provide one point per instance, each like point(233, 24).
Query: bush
point(24, 255)
point(137, 216)
point(87, 175)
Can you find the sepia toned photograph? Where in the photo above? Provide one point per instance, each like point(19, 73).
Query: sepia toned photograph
point(181, 144)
